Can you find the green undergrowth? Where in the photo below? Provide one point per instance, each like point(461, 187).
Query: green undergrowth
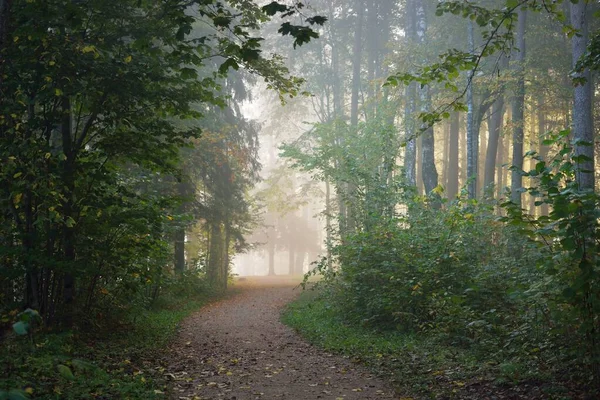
point(114, 361)
point(418, 365)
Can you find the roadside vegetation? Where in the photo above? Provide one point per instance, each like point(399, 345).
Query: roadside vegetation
point(116, 355)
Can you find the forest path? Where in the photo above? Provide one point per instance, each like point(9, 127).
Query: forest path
point(238, 349)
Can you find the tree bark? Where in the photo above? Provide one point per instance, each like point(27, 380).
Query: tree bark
point(472, 135)
point(543, 149)
point(494, 129)
point(518, 107)
point(583, 124)
point(453, 152)
point(428, 168)
point(271, 247)
point(410, 154)
point(179, 247)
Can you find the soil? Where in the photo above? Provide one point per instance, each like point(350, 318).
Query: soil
point(238, 349)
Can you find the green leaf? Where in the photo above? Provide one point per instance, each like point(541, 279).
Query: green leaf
point(16, 394)
point(230, 62)
point(21, 328)
point(65, 372)
point(70, 222)
point(274, 7)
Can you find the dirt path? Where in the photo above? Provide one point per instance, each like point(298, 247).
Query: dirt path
point(238, 349)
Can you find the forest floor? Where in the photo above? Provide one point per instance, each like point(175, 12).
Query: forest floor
point(238, 349)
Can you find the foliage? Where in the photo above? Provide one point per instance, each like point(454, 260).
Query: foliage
point(119, 360)
point(98, 100)
point(420, 365)
point(569, 239)
point(442, 271)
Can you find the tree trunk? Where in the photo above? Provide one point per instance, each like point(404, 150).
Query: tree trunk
point(271, 247)
point(543, 149)
point(453, 153)
point(356, 62)
point(68, 213)
point(494, 130)
point(518, 112)
point(299, 264)
point(583, 124)
point(291, 254)
point(472, 136)
point(4, 22)
point(500, 160)
point(429, 172)
point(216, 259)
point(179, 259)
point(410, 154)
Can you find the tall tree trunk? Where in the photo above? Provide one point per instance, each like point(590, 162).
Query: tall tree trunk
point(216, 259)
point(271, 249)
point(291, 254)
point(494, 130)
point(179, 247)
point(543, 149)
point(428, 168)
point(373, 51)
point(518, 108)
point(419, 165)
point(299, 264)
point(472, 135)
point(410, 154)
point(351, 218)
point(5, 6)
point(328, 226)
point(68, 212)
point(445, 154)
point(453, 152)
point(583, 133)
point(356, 63)
point(583, 124)
point(500, 160)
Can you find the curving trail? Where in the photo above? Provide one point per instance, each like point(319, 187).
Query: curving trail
point(238, 349)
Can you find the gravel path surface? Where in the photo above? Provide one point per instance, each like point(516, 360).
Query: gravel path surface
point(238, 349)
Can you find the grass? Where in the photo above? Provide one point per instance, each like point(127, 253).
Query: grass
point(419, 366)
point(124, 362)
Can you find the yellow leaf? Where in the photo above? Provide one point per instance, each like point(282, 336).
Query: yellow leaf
point(48, 79)
point(58, 92)
point(17, 198)
point(29, 390)
point(127, 59)
point(438, 190)
point(170, 218)
point(52, 63)
point(88, 49)
point(47, 156)
point(18, 174)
